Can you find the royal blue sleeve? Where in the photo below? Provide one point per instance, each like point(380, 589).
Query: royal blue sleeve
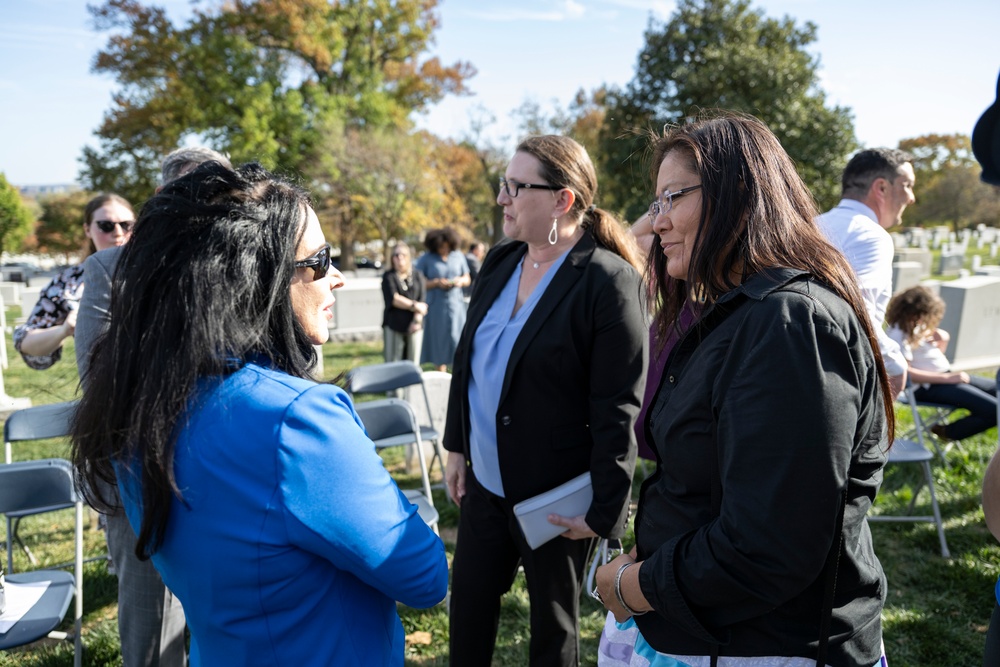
point(341, 503)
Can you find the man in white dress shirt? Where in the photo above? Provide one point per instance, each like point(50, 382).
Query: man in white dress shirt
point(877, 185)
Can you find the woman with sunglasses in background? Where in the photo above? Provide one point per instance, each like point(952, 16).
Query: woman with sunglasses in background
point(253, 488)
point(107, 222)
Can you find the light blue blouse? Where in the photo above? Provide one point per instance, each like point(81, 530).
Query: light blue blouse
point(491, 347)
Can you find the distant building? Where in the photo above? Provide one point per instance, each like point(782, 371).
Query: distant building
point(35, 191)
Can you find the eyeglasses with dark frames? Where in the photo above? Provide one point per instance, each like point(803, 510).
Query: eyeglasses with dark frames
point(507, 184)
point(665, 202)
point(319, 262)
point(108, 226)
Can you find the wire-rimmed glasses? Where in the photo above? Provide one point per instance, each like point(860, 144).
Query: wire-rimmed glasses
point(665, 202)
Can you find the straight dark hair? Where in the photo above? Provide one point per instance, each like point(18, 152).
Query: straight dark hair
point(756, 214)
point(201, 288)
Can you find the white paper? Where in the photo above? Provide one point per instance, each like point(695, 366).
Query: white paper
point(20, 599)
point(572, 498)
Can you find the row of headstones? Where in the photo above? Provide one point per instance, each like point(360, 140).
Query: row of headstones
point(952, 246)
point(972, 316)
point(950, 263)
point(17, 294)
point(8, 404)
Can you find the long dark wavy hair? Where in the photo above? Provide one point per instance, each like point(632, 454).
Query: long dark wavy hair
point(756, 214)
point(202, 286)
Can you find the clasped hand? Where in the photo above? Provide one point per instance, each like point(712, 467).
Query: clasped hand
point(604, 580)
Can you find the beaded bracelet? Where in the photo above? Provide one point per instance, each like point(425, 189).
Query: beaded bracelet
point(618, 590)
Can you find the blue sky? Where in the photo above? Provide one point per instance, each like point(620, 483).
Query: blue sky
point(905, 67)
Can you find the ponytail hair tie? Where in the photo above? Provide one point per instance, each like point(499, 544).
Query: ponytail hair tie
point(591, 208)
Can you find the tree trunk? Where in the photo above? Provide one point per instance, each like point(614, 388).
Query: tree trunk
point(346, 242)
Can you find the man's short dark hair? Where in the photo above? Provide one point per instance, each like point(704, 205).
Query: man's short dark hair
point(184, 160)
point(867, 166)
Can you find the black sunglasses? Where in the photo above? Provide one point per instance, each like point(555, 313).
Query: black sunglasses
point(319, 263)
point(107, 226)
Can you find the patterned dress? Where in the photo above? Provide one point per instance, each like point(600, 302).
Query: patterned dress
point(55, 302)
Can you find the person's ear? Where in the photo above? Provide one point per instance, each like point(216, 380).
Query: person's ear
point(878, 191)
point(157, 190)
point(564, 202)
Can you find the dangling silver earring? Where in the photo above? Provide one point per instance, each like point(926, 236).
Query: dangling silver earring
point(554, 234)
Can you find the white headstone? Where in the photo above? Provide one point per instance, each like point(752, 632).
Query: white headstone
point(977, 261)
point(29, 297)
point(359, 307)
point(8, 404)
point(989, 270)
point(438, 385)
point(906, 275)
point(11, 292)
point(951, 263)
point(40, 281)
point(923, 256)
point(972, 317)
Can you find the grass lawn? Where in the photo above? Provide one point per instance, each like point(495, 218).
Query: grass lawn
point(937, 611)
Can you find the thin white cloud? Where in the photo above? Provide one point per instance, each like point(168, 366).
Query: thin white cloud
point(561, 10)
point(661, 9)
point(29, 34)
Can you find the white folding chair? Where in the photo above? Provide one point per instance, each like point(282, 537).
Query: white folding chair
point(906, 449)
point(392, 376)
point(390, 422)
point(35, 423)
point(31, 487)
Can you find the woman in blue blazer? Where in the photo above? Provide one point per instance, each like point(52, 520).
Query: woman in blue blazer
point(254, 489)
point(548, 376)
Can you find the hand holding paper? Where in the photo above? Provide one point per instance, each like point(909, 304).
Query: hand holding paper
point(576, 525)
point(536, 514)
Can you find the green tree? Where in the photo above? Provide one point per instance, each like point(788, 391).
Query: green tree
point(585, 120)
point(493, 162)
point(948, 189)
point(259, 79)
point(60, 227)
point(934, 152)
point(723, 54)
point(15, 216)
point(466, 178)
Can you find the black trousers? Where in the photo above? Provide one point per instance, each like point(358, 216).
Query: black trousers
point(489, 548)
point(991, 656)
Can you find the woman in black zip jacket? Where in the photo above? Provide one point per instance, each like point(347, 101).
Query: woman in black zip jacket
point(769, 426)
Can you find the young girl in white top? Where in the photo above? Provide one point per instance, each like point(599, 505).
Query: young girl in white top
point(913, 317)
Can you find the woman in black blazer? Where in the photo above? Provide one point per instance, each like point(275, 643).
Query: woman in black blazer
point(548, 376)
